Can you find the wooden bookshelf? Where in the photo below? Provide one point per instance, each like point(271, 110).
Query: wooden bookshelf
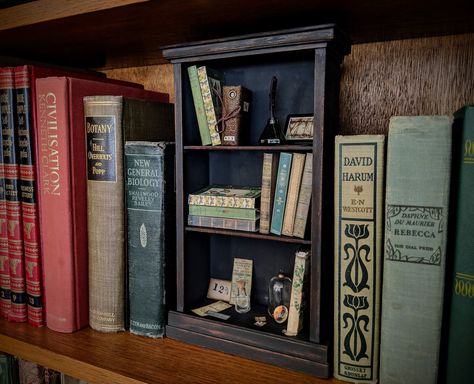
point(124, 358)
point(123, 38)
point(116, 34)
point(250, 235)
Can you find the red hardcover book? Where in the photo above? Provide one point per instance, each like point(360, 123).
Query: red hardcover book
point(25, 84)
point(13, 203)
point(62, 179)
point(5, 292)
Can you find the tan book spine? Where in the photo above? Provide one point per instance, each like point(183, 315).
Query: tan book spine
point(358, 208)
point(105, 212)
point(270, 168)
point(297, 304)
point(293, 192)
point(304, 198)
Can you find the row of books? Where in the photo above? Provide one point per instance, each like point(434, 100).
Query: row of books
point(391, 329)
point(281, 204)
point(14, 370)
point(222, 111)
point(67, 131)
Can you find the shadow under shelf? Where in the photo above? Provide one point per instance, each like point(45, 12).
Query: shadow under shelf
point(250, 235)
point(266, 148)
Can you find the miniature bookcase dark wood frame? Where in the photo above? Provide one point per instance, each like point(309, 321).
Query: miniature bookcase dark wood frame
point(307, 62)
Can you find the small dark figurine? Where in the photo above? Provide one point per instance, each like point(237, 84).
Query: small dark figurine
point(272, 134)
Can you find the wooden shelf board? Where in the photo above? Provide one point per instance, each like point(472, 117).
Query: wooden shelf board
point(48, 10)
point(129, 33)
point(266, 148)
point(250, 235)
point(124, 358)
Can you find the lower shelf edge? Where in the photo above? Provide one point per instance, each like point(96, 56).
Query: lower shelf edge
point(319, 369)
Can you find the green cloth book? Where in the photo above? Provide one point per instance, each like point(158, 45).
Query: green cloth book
point(229, 213)
point(147, 170)
point(281, 190)
point(460, 309)
point(226, 196)
point(416, 213)
point(211, 82)
point(199, 105)
point(358, 231)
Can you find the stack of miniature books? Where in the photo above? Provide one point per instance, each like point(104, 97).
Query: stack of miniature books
point(225, 207)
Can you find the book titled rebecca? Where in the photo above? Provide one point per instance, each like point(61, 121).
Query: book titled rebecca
point(358, 194)
point(416, 213)
point(460, 311)
point(145, 195)
point(108, 121)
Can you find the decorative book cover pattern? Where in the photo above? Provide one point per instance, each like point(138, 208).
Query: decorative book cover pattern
point(29, 197)
point(417, 193)
point(235, 114)
point(211, 82)
point(226, 196)
point(359, 162)
point(18, 311)
point(298, 299)
point(199, 106)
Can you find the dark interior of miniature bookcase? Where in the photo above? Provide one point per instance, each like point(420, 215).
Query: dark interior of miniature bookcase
point(306, 63)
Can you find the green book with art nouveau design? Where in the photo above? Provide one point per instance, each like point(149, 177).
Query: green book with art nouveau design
point(358, 193)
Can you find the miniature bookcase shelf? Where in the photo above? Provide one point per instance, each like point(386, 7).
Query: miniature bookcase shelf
point(306, 62)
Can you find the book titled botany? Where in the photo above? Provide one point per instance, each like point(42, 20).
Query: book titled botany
point(226, 196)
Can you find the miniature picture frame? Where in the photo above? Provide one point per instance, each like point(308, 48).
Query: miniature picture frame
point(299, 128)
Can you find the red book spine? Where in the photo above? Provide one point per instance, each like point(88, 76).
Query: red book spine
point(5, 295)
point(54, 175)
point(18, 311)
point(28, 197)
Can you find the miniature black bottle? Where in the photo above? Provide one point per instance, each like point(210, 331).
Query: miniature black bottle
point(272, 133)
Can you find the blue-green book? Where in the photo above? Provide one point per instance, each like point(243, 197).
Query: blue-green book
point(146, 199)
point(416, 213)
point(281, 190)
point(459, 351)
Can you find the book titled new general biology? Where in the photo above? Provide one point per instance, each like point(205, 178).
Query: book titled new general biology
point(358, 207)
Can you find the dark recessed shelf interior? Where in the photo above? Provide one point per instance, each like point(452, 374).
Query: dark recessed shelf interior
point(247, 320)
point(265, 148)
point(251, 235)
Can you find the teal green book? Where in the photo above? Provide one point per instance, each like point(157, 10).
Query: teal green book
point(281, 190)
point(229, 213)
point(146, 202)
point(460, 311)
point(416, 213)
point(199, 105)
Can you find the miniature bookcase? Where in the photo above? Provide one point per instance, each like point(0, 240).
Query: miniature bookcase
point(306, 62)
